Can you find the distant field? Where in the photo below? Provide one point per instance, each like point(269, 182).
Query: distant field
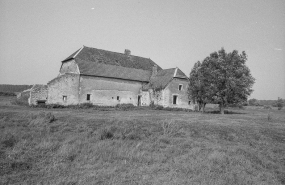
point(86, 146)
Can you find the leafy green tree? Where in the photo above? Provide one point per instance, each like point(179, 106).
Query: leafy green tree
point(199, 88)
point(221, 78)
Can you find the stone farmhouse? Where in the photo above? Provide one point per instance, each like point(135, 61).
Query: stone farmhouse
point(108, 78)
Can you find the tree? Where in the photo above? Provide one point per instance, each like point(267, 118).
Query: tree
point(253, 102)
point(221, 78)
point(199, 88)
point(279, 103)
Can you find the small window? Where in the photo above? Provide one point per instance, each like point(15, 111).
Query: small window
point(64, 98)
point(189, 102)
point(112, 97)
point(180, 87)
point(88, 97)
point(118, 97)
point(175, 99)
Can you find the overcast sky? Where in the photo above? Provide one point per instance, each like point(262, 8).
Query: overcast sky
point(36, 35)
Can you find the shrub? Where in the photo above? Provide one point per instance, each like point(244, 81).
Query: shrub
point(7, 94)
point(9, 141)
point(86, 105)
point(106, 134)
point(49, 117)
point(158, 107)
point(54, 106)
point(21, 102)
point(279, 103)
point(267, 107)
point(125, 107)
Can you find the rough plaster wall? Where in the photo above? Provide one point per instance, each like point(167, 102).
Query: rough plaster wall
point(38, 93)
point(69, 67)
point(104, 91)
point(157, 97)
point(64, 85)
point(172, 89)
point(145, 98)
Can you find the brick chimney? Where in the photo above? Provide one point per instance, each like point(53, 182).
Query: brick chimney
point(154, 70)
point(127, 52)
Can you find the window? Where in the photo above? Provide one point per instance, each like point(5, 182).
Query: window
point(118, 97)
point(175, 99)
point(180, 87)
point(88, 97)
point(64, 98)
point(189, 102)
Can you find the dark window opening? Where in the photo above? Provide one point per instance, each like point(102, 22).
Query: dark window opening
point(175, 99)
point(139, 100)
point(112, 97)
point(64, 98)
point(118, 97)
point(189, 102)
point(180, 87)
point(88, 97)
point(41, 102)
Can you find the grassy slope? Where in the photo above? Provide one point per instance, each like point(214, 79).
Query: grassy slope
point(140, 147)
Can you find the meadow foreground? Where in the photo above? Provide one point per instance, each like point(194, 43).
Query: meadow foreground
point(87, 146)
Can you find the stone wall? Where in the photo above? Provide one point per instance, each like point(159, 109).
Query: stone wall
point(145, 98)
point(108, 91)
point(69, 67)
point(173, 89)
point(38, 93)
point(63, 90)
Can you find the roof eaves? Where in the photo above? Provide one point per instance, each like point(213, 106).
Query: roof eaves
point(114, 78)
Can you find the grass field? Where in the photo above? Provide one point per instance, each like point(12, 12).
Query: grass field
point(86, 146)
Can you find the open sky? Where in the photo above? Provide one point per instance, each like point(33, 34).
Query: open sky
point(36, 35)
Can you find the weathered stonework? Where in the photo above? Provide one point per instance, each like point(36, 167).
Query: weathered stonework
point(165, 96)
point(64, 90)
point(69, 67)
point(108, 91)
point(108, 78)
point(38, 94)
point(182, 96)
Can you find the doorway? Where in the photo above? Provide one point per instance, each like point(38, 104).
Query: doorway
point(139, 100)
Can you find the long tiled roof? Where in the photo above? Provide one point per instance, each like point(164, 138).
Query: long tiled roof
point(112, 71)
point(112, 58)
point(98, 62)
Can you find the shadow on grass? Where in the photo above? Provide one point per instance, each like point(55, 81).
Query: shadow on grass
point(226, 112)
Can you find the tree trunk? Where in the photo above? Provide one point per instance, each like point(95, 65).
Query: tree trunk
point(203, 107)
point(200, 106)
point(222, 109)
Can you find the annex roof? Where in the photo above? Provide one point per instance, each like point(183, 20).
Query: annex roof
point(163, 77)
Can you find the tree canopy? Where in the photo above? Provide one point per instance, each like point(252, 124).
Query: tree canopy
point(221, 78)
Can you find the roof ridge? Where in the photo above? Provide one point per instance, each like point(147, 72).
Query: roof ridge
point(78, 51)
point(175, 72)
point(117, 52)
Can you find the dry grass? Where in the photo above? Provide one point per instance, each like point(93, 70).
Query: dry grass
point(140, 147)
